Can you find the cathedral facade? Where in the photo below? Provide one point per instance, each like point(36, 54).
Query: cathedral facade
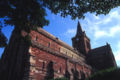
point(47, 57)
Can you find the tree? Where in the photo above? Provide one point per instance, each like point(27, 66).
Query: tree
point(29, 14)
point(3, 39)
point(108, 74)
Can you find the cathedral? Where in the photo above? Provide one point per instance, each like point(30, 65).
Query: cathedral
point(45, 57)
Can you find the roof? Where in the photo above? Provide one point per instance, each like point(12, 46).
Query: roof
point(100, 50)
point(40, 30)
point(101, 57)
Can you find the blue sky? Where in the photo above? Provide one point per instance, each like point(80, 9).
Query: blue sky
point(100, 29)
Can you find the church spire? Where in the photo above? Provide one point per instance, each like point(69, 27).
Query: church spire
point(81, 42)
point(79, 29)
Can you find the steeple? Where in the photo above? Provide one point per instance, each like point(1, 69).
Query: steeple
point(81, 42)
point(79, 30)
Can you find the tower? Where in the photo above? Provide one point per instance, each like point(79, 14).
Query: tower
point(81, 42)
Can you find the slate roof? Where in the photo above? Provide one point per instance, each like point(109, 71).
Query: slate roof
point(101, 57)
point(100, 50)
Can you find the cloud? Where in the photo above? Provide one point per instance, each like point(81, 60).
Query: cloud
point(106, 33)
point(70, 32)
point(103, 26)
point(108, 18)
point(96, 17)
point(100, 26)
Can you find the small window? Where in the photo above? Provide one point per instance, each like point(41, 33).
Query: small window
point(49, 44)
point(66, 53)
point(43, 65)
point(59, 49)
point(36, 38)
point(60, 69)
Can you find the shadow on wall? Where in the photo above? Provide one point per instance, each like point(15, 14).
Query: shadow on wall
point(82, 75)
point(76, 75)
point(50, 71)
point(67, 74)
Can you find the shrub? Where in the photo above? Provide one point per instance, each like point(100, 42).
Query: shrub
point(108, 74)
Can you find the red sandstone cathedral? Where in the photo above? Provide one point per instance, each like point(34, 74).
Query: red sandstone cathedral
point(47, 57)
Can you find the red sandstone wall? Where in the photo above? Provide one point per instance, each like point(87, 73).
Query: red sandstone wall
point(40, 60)
point(42, 56)
point(45, 41)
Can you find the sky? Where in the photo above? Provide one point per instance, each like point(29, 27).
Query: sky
point(100, 29)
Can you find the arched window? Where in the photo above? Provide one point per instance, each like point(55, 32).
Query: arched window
point(36, 38)
point(43, 65)
point(66, 52)
point(49, 44)
point(59, 49)
point(82, 75)
point(60, 69)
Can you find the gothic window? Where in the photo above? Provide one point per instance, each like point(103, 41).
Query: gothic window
point(36, 38)
point(82, 75)
point(49, 44)
point(43, 65)
point(59, 49)
point(50, 71)
point(66, 52)
point(60, 69)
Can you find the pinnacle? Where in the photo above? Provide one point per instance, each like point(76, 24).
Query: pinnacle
point(79, 29)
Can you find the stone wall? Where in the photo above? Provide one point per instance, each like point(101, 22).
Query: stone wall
point(49, 59)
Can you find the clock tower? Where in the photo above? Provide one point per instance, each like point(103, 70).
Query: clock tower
point(81, 42)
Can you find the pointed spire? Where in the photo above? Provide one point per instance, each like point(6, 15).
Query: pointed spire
point(79, 29)
point(107, 43)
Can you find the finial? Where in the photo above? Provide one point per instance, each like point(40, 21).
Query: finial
point(107, 43)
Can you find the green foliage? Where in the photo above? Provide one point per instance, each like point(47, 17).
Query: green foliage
point(24, 14)
point(28, 14)
point(108, 74)
point(32, 12)
point(63, 78)
point(3, 39)
point(77, 8)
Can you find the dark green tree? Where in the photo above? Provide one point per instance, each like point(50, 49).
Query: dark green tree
point(29, 14)
point(108, 74)
point(3, 39)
